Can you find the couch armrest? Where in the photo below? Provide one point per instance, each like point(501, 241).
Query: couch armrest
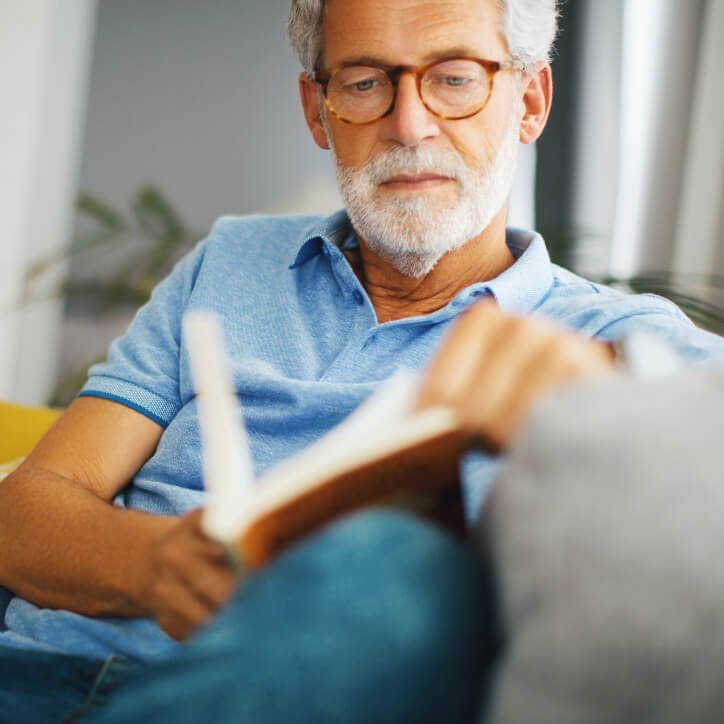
point(21, 427)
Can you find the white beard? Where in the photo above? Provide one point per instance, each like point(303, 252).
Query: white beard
point(412, 232)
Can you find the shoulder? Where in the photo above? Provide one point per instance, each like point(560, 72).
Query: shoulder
point(270, 238)
point(245, 262)
point(236, 248)
point(591, 306)
point(601, 311)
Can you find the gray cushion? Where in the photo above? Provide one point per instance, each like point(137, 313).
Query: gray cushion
point(607, 534)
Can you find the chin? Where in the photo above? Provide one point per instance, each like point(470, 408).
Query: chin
point(412, 240)
point(409, 264)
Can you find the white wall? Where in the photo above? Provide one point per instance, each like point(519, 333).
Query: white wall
point(661, 40)
point(700, 227)
point(597, 120)
point(200, 99)
point(44, 49)
point(650, 157)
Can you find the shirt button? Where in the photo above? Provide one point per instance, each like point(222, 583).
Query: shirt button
point(357, 294)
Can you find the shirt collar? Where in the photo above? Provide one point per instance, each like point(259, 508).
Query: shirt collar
point(524, 284)
point(335, 231)
point(518, 290)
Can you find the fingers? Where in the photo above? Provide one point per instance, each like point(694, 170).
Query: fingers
point(199, 565)
point(461, 354)
point(552, 364)
point(493, 368)
point(192, 579)
point(182, 612)
point(502, 387)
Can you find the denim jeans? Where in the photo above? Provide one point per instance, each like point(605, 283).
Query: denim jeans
point(378, 618)
point(48, 688)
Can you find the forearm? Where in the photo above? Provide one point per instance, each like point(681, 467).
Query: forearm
point(64, 547)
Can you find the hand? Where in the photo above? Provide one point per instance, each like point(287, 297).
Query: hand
point(192, 579)
point(493, 367)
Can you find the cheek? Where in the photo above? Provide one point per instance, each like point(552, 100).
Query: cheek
point(475, 147)
point(353, 145)
point(479, 139)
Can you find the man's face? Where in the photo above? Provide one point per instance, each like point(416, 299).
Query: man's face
point(402, 209)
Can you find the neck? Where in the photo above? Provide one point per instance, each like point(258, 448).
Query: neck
point(394, 295)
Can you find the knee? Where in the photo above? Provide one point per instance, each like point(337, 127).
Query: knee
point(392, 615)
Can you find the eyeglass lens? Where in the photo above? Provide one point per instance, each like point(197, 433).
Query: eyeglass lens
point(451, 88)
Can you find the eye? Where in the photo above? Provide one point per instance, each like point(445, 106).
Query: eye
point(358, 81)
point(454, 81)
point(363, 85)
point(455, 75)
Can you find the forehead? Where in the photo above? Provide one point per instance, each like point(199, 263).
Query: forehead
point(410, 32)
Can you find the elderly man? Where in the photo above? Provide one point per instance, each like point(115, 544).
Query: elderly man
point(422, 104)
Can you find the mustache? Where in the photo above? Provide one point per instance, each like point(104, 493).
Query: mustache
point(415, 160)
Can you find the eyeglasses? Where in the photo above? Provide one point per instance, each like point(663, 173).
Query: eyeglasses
point(451, 89)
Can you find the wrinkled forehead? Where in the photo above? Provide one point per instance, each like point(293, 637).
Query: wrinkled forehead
point(410, 32)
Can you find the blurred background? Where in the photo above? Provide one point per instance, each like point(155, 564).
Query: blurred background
point(128, 126)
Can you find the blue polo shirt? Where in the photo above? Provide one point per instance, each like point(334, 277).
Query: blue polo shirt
point(306, 349)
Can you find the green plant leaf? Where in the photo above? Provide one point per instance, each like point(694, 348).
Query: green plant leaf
point(155, 216)
point(93, 207)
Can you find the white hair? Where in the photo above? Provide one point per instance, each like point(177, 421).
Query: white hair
point(528, 27)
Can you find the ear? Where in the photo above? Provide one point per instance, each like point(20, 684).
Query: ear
point(308, 92)
point(537, 92)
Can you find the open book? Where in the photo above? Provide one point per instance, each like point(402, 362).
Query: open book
point(382, 453)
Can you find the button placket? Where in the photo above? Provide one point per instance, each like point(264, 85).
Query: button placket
point(346, 277)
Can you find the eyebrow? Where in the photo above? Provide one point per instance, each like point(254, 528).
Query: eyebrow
point(377, 62)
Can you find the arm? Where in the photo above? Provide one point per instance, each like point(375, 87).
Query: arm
point(64, 544)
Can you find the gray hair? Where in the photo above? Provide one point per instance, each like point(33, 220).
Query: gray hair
point(528, 27)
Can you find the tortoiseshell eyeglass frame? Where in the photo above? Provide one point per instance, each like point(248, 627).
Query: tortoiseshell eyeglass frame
point(491, 67)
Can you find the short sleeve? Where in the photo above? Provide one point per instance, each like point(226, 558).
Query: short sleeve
point(142, 369)
point(693, 344)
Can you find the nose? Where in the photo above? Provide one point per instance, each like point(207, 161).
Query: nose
point(409, 123)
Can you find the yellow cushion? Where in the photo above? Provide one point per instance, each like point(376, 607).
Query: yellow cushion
point(21, 427)
point(7, 468)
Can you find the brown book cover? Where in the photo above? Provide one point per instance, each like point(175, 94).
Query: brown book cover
point(422, 477)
